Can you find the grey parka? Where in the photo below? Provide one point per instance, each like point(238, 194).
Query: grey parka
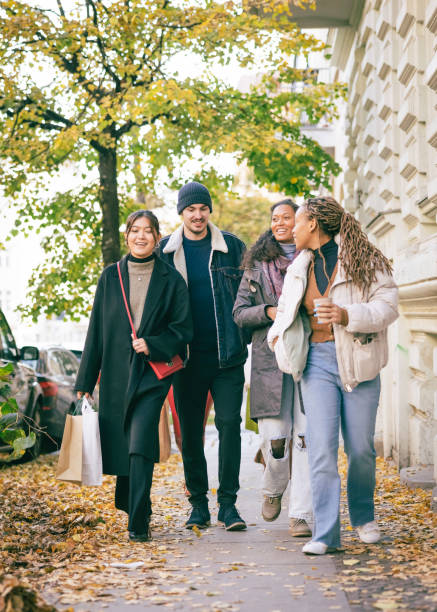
point(250, 313)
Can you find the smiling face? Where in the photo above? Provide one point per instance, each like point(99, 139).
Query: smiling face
point(282, 224)
point(195, 218)
point(141, 239)
point(305, 231)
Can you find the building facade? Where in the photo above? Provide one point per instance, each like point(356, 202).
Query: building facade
point(388, 58)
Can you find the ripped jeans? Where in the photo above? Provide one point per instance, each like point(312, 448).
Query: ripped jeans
point(276, 433)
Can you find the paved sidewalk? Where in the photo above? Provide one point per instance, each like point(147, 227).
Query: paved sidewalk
point(260, 569)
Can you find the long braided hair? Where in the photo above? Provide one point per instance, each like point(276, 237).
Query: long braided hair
point(266, 248)
point(359, 257)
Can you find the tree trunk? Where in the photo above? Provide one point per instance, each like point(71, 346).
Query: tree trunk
point(108, 198)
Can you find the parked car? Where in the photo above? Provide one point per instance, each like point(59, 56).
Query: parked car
point(56, 369)
point(24, 384)
point(77, 352)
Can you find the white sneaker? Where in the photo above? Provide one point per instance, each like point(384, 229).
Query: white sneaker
point(315, 548)
point(369, 532)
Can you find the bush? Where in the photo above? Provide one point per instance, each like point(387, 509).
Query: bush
point(11, 418)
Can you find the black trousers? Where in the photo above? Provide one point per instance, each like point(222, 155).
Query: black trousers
point(191, 387)
point(132, 492)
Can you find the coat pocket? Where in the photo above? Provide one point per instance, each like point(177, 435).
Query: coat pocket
point(368, 358)
point(231, 277)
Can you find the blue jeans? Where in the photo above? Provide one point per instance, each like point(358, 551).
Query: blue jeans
point(328, 406)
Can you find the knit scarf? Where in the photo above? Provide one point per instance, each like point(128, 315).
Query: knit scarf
point(274, 271)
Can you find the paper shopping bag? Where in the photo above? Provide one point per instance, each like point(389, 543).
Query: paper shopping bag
point(91, 449)
point(164, 435)
point(70, 456)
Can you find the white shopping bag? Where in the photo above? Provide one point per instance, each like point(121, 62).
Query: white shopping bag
point(91, 450)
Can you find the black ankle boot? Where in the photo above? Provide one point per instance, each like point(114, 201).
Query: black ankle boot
point(199, 517)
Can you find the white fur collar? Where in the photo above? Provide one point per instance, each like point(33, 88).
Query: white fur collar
point(175, 245)
point(218, 243)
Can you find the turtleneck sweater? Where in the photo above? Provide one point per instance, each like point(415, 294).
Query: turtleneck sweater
point(140, 272)
point(326, 256)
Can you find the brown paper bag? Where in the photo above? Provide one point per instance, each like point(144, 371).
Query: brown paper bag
point(164, 435)
point(70, 456)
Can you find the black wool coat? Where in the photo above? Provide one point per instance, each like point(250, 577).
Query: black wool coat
point(166, 327)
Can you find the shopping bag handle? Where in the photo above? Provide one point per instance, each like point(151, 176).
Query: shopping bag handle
point(82, 406)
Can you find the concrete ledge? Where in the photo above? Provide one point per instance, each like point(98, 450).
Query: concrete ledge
point(421, 477)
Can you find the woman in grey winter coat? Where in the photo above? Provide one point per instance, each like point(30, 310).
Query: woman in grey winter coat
point(272, 393)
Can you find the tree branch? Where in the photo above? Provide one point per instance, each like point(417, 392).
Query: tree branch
point(61, 8)
point(98, 147)
point(101, 47)
point(124, 129)
point(47, 115)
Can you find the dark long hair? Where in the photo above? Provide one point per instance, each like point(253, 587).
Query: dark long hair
point(137, 214)
point(359, 257)
point(266, 248)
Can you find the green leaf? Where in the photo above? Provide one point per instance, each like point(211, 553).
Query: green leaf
point(10, 435)
point(7, 420)
point(10, 406)
point(22, 444)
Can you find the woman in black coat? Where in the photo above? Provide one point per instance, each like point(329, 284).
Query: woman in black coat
point(131, 396)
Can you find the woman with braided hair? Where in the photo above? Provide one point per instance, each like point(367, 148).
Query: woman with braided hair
point(330, 333)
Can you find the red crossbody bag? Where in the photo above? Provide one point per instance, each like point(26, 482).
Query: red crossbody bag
point(162, 369)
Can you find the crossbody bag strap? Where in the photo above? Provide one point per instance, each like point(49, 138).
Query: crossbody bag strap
point(125, 302)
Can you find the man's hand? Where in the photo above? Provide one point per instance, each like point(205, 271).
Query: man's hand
point(80, 394)
point(139, 345)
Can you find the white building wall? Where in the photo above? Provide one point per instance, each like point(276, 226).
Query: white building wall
point(390, 181)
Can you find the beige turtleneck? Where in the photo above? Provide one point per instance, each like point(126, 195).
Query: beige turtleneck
point(139, 280)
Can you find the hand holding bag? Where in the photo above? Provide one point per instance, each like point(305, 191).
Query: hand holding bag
point(162, 369)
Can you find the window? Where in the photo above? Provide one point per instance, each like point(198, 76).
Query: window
point(69, 362)
point(54, 364)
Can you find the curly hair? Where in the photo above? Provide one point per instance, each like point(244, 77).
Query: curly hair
point(266, 248)
point(359, 257)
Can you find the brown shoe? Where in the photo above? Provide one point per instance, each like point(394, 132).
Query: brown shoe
point(271, 508)
point(299, 528)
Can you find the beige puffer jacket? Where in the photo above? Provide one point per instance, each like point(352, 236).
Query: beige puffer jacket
point(361, 346)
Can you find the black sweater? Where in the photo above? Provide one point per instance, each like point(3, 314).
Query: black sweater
point(328, 255)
